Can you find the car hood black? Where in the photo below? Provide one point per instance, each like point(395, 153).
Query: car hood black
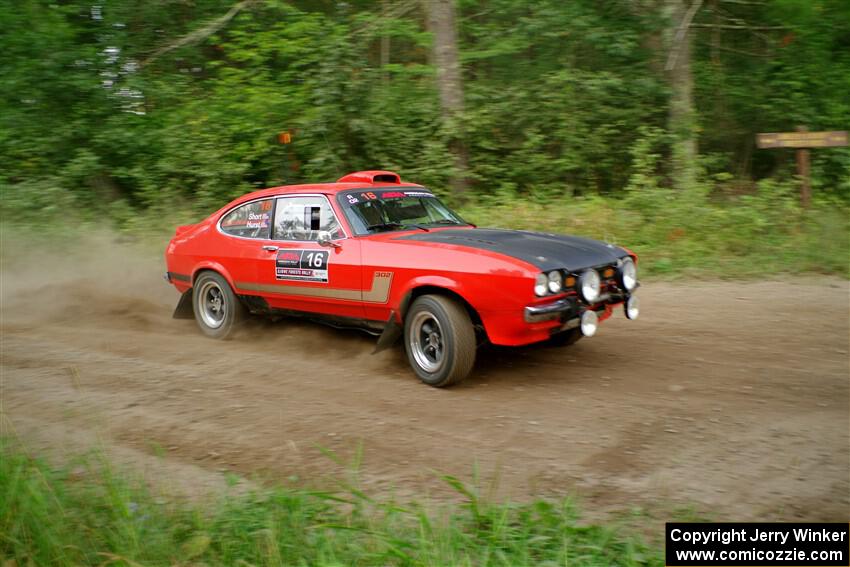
point(545, 251)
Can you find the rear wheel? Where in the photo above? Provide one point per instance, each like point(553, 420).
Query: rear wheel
point(217, 309)
point(440, 340)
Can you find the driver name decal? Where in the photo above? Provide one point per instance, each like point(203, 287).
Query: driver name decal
point(302, 265)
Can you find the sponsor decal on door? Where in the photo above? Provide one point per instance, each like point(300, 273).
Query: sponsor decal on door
point(302, 265)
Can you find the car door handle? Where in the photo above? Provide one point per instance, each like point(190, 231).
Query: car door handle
point(271, 248)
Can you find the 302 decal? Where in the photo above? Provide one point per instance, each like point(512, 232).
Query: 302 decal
point(302, 265)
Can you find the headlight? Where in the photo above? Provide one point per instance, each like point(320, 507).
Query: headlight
point(589, 283)
point(541, 284)
point(628, 274)
point(556, 283)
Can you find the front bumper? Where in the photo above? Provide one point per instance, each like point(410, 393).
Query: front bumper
point(559, 309)
point(567, 311)
point(537, 322)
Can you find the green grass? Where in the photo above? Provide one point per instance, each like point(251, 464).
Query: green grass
point(690, 235)
point(89, 515)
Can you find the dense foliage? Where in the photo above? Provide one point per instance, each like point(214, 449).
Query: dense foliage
point(560, 96)
point(87, 515)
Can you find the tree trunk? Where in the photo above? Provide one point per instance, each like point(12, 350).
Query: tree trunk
point(682, 117)
point(441, 15)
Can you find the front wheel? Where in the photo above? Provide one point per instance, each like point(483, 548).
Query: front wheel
point(440, 340)
point(217, 309)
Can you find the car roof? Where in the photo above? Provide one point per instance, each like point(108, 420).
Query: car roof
point(324, 188)
point(363, 180)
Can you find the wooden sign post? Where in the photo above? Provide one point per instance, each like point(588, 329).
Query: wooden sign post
point(802, 139)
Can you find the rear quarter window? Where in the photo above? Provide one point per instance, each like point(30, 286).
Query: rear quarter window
point(252, 220)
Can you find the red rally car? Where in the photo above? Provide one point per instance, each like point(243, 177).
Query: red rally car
point(376, 253)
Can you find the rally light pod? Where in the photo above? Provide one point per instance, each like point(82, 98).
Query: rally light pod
point(589, 323)
point(632, 308)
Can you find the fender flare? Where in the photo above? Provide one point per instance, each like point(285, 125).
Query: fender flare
point(215, 267)
point(394, 328)
point(441, 282)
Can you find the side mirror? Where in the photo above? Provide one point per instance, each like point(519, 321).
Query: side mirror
point(324, 239)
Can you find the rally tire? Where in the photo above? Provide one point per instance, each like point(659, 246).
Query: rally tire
point(565, 339)
point(439, 339)
point(218, 311)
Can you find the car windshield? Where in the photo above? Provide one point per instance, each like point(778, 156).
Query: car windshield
point(380, 210)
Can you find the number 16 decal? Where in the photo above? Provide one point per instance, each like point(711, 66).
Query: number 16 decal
point(316, 259)
point(302, 265)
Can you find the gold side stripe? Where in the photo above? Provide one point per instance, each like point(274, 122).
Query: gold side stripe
point(379, 293)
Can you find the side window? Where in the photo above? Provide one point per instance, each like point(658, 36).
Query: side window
point(302, 218)
point(249, 221)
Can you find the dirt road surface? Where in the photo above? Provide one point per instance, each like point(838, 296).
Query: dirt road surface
point(727, 397)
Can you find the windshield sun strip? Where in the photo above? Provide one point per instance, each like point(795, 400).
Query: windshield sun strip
point(353, 200)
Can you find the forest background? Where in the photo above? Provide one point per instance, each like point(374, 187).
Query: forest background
point(628, 120)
